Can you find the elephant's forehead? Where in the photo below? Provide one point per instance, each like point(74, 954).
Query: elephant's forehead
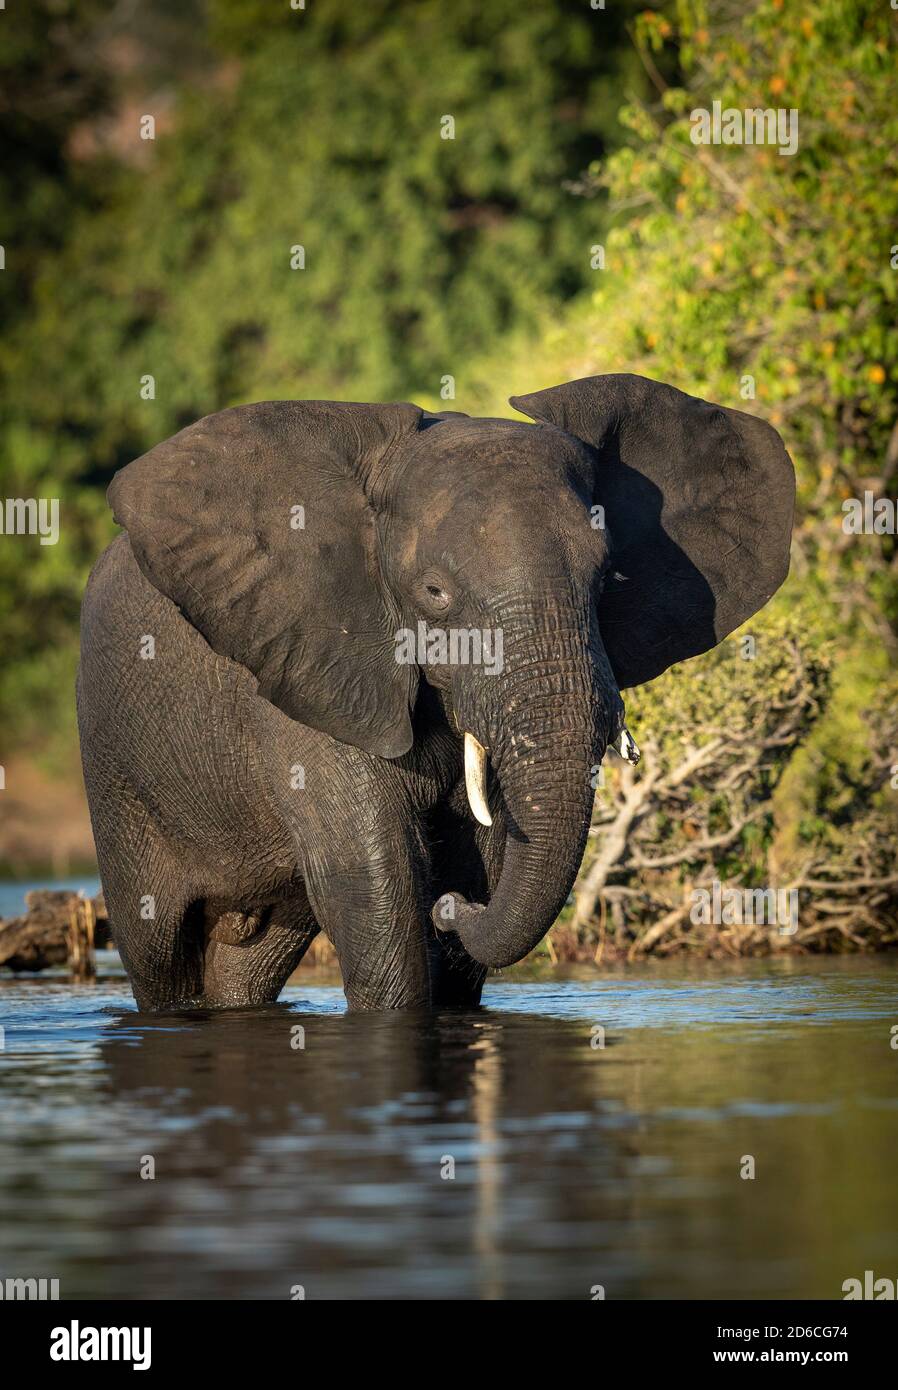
point(492, 493)
point(493, 466)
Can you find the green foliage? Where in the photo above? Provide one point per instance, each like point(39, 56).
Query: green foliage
point(318, 128)
point(730, 262)
point(45, 91)
point(428, 257)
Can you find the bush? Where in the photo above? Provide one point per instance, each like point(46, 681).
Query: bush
point(769, 283)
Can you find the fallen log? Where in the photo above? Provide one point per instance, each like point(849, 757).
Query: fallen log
point(59, 928)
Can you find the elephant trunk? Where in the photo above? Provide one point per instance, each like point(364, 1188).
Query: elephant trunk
point(558, 715)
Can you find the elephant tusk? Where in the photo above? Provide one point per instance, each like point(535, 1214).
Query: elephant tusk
point(475, 779)
point(625, 746)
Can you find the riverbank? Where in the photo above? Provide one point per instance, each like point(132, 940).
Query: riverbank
point(66, 926)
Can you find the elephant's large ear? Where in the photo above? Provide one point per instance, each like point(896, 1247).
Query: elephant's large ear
point(698, 502)
point(257, 523)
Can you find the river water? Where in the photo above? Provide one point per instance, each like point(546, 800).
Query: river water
point(577, 1132)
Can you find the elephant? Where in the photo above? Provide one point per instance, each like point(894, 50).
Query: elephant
point(352, 668)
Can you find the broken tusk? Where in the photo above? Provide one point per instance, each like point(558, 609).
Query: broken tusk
point(475, 779)
point(625, 747)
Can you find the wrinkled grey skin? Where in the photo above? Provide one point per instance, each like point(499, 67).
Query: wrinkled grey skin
point(260, 767)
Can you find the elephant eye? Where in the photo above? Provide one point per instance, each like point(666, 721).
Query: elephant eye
point(438, 597)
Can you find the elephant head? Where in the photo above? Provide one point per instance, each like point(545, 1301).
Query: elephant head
point(344, 553)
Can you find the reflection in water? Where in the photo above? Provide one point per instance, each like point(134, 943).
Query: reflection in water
point(326, 1165)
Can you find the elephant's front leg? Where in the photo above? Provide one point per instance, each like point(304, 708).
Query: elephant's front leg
point(372, 907)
